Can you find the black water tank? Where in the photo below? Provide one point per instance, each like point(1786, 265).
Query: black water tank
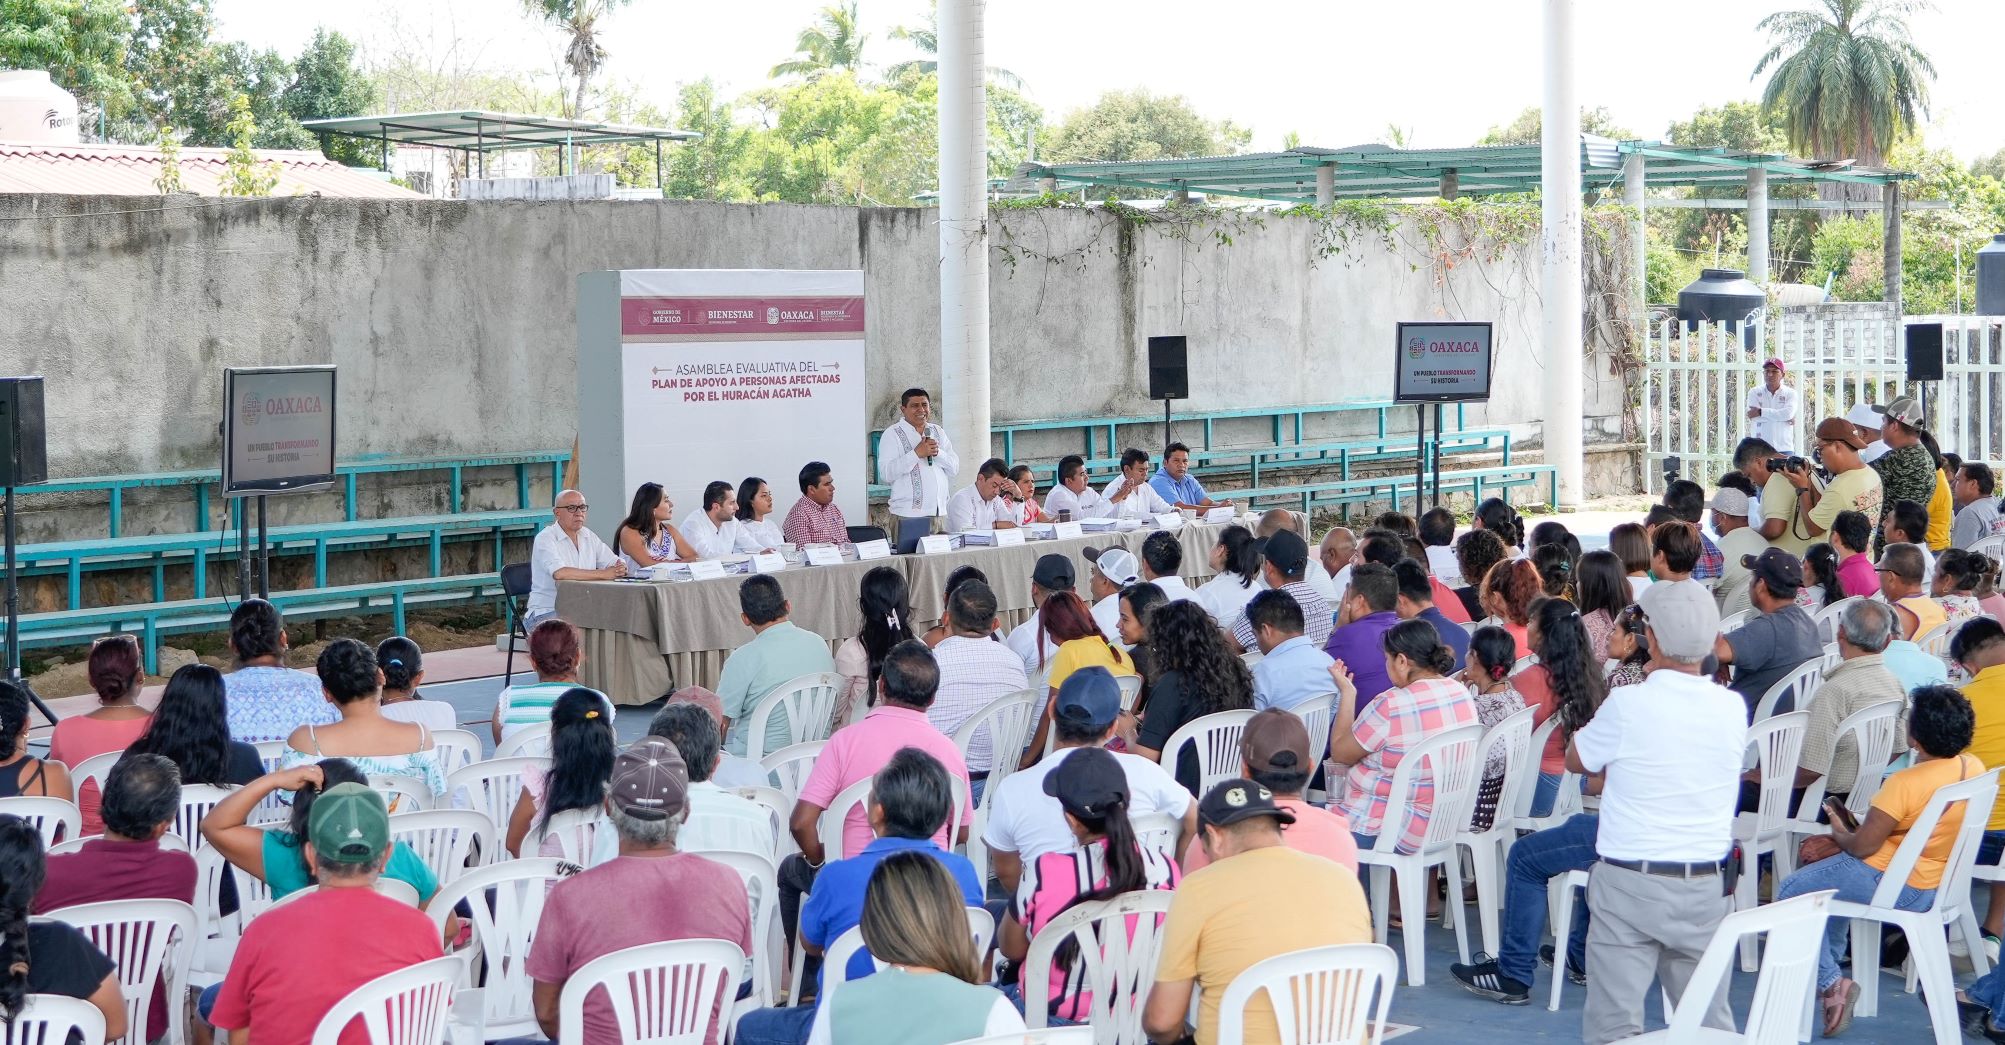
point(1720, 295)
point(1991, 278)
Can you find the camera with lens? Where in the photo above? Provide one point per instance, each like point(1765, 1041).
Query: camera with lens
point(1792, 463)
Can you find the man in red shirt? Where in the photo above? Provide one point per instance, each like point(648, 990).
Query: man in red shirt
point(296, 961)
point(816, 518)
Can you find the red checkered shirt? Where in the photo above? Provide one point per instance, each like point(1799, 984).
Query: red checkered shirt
point(811, 523)
point(1389, 727)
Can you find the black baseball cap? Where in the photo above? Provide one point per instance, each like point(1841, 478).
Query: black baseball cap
point(1087, 782)
point(1287, 551)
point(1781, 571)
point(1054, 573)
point(1230, 801)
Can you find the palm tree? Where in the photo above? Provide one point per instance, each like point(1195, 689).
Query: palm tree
point(926, 41)
point(829, 42)
point(584, 55)
point(1848, 79)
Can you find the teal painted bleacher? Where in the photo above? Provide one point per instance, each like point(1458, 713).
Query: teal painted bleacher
point(1399, 489)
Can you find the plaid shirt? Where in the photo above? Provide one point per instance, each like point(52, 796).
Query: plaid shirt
point(811, 523)
point(1391, 726)
point(973, 673)
point(1712, 565)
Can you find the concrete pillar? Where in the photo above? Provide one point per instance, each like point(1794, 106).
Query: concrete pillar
point(1047, 186)
point(1757, 225)
point(964, 236)
point(1560, 245)
point(1451, 183)
point(1890, 198)
point(1326, 185)
point(1635, 196)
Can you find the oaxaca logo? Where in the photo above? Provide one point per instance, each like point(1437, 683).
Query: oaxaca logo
point(772, 315)
point(250, 408)
point(278, 406)
point(1416, 347)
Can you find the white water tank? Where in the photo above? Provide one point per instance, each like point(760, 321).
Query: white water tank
point(34, 110)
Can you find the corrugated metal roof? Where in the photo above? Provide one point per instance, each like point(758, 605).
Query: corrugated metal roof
point(477, 130)
point(130, 170)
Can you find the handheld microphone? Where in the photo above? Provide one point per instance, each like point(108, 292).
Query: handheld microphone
point(929, 434)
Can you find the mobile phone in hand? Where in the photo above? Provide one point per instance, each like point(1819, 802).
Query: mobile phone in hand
point(1840, 815)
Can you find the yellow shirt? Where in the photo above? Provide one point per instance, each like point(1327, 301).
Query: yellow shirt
point(1941, 511)
point(1858, 490)
point(1091, 652)
point(1986, 694)
point(1903, 797)
point(1779, 500)
point(1248, 908)
point(1928, 614)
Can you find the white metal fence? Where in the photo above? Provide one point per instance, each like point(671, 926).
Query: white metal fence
point(1696, 382)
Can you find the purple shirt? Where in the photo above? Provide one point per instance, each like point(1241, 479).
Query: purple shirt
point(1359, 645)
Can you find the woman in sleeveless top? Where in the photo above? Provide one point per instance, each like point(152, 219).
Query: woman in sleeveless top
point(581, 762)
point(645, 537)
point(20, 772)
point(118, 721)
point(377, 745)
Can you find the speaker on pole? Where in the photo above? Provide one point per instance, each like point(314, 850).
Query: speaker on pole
point(24, 446)
point(1169, 374)
point(1924, 351)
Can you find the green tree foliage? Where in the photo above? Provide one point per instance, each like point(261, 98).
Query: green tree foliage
point(1745, 126)
point(1849, 80)
point(1530, 123)
point(328, 82)
point(1992, 166)
point(81, 43)
point(1137, 125)
point(1851, 249)
point(584, 52)
point(243, 173)
point(926, 40)
point(830, 43)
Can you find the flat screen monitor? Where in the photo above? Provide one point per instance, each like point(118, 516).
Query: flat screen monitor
point(1443, 362)
point(278, 429)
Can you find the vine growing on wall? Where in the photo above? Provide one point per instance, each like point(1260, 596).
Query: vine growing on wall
point(1189, 225)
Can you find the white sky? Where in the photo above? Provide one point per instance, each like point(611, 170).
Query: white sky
point(1337, 72)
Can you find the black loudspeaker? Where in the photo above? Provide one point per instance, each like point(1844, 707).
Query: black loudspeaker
point(1924, 351)
point(1169, 373)
point(24, 446)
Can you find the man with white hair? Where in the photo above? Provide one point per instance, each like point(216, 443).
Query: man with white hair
point(1862, 680)
point(565, 551)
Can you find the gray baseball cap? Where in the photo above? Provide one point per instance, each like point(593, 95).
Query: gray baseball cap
point(1683, 616)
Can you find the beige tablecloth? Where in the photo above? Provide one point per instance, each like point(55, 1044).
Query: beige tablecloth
point(642, 637)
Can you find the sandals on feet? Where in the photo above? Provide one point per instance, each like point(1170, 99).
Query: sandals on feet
point(1836, 1002)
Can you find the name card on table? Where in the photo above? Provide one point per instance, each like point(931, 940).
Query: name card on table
point(1008, 538)
point(1220, 514)
point(768, 562)
point(1168, 521)
point(823, 555)
point(935, 543)
point(879, 549)
point(706, 570)
point(1063, 530)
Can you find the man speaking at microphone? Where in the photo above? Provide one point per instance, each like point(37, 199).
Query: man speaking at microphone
point(915, 458)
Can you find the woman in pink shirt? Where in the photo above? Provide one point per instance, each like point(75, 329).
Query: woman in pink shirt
point(118, 721)
point(1851, 536)
point(1025, 500)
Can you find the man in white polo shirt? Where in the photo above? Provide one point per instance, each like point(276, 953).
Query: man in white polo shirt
point(1130, 494)
point(565, 551)
point(1162, 557)
point(1670, 749)
point(1074, 499)
point(980, 506)
point(1112, 569)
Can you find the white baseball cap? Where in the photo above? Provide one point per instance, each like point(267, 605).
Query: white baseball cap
point(1116, 564)
point(1728, 501)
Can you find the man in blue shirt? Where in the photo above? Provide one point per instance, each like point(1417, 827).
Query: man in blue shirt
point(1174, 481)
point(1292, 669)
point(1416, 602)
point(778, 652)
point(1367, 612)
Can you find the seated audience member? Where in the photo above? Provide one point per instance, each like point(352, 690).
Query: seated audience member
point(1566, 682)
point(271, 995)
point(1627, 653)
point(974, 673)
point(981, 505)
point(191, 729)
point(141, 796)
point(265, 699)
point(1138, 604)
point(646, 805)
point(1958, 575)
point(1024, 484)
point(1236, 561)
point(1779, 639)
point(1939, 732)
point(1051, 573)
point(581, 760)
point(755, 513)
point(403, 667)
point(44, 956)
point(1066, 622)
point(1498, 517)
point(1907, 523)
point(778, 652)
point(961, 575)
point(1602, 594)
point(1903, 573)
point(1162, 557)
point(1555, 571)
point(886, 609)
point(714, 530)
point(1025, 821)
point(718, 819)
point(1129, 495)
point(1979, 648)
point(1821, 584)
point(1109, 570)
point(1277, 753)
point(378, 746)
point(1509, 591)
point(1196, 676)
point(1074, 499)
point(1488, 676)
point(1285, 558)
point(1687, 501)
point(555, 654)
point(1244, 908)
point(1976, 507)
point(1674, 551)
point(1730, 510)
point(647, 536)
point(930, 991)
point(816, 518)
point(1292, 669)
point(1369, 609)
point(1859, 681)
point(1851, 537)
point(1105, 861)
point(1436, 530)
point(565, 550)
point(1657, 516)
point(1631, 544)
point(732, 771)
point(1372, 742)
point(278, 856)
point(1175, 483)
point(1474, 556)
point(1416, 602)
point(117, 721)
point(1337, 551)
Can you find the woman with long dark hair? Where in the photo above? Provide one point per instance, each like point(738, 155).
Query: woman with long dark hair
point(755, 510)
point(190, 729)
point(1555, 568)
point(1236, 561)
point(1553, 532)
point(20, 772)
point(1602, 590)
point(115, 674)
point(403, 666)
point(1821, 584)
point(1065, 623)
point(45, 956)
point(276, 855)
point(1197, 676)
point(1631, 543)
point(1487, 671)
point(1476, 554)
point(581, 763)
point(1108, 860)
point(1567, 682)
point(1422, 702)
point(1138, 603)
point(647, 536)
point(1497, 516)
point(886, 608)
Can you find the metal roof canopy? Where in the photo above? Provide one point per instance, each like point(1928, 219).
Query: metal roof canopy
point(480, 131)
point(1382, 172)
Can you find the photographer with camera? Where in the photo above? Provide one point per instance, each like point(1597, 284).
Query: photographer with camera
point(1779, 521)
point(1852, 487)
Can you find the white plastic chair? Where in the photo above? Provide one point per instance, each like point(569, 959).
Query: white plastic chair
point(1734, 620)
point(1250, 657)
point(1928, 947)
point(1559, 902)
point(787, 769)
point(170, 842)
point(388, 888)
point(216, 933)
point(150, 942)
point(492, 789)
point(532, 740)
point(1321, 996)
point(1801, 683)
point(761, 877)
point(1042, 1036)
point(1157, 830)
point(1215, 738)
point(55, 818)
point(1827, 618)
point(1833, 656)
point(1524, 663)
point(828, 827)
point(1777, 742)
point(806, 705)
point(1872, 730)
point(1316, 714)
point(1010, 721)
point(1788, 982)
point(403, 794)
point(445, 839)
point(1936, 642)
point(457, 749)
point(1131, 689)
point(196, 801)
point(1566, 801)
point(93, 770)
point(842, 951)
point(1120, 941)
point(52, 1019)
point(1452, 760)
point(1487, 847)
point(506, 903)
point(276, 807)
point(577, 834)
point(780, 808)
point(661, 993)
point(405, 1007)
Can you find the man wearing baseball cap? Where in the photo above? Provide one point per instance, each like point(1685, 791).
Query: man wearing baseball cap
point(1865, 417)
point(273, 995)
point(1259, 898)
point(1771, 409)
point(1738, 541)
point(1907, 470)
point(1051, 573)
point(1669, 750)
point(1110, 570)
point(1275, 752)
point(1284, 563)
point(1779, 638)
point(650, 893)
point(1854, 487)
